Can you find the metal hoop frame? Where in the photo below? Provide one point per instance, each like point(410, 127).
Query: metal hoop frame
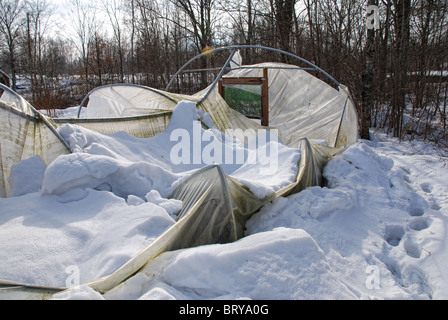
point(237, 47)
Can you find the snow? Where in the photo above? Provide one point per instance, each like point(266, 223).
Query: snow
point(27, 176)
point(376, 230)
point(41, 236)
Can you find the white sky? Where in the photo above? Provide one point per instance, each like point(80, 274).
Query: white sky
point(64, 19)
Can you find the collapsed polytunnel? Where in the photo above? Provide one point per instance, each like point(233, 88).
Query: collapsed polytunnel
point(305, 112)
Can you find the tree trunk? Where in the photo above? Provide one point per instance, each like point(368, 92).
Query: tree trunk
point(12, 65)
point(284, 12)
point(367, 79)
point(402, 29)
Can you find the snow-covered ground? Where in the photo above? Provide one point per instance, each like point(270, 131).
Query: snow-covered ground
point(377, 230)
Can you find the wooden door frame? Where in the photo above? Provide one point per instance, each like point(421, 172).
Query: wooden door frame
point(263, 81)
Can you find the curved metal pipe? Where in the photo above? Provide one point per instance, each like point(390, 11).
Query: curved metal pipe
point(219, 76)
point(236, 47)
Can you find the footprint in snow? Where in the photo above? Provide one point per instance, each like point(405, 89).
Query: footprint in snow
point(394, 234)
point(435, 206)
point(419, 224)
point(412, 249)
point(426, 187)
point(416, 211)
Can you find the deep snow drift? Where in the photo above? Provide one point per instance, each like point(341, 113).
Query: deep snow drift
point(377, 230)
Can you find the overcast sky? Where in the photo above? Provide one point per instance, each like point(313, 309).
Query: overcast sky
point(64, 19)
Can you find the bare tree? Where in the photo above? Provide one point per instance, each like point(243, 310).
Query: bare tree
point(83, 24)
point(367, 78)
point(243, 15)
point(11, 21)
point(385, 67)
point(113, 8)
point(132, 9)
point(401, 16)
point(314, 31)
point(38, 20)
point(202, 19)
point(150, 26)
point(284, 13)
point(97, 56)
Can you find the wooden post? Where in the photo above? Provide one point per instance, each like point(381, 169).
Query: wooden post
point(221, 88)
point(265, 99)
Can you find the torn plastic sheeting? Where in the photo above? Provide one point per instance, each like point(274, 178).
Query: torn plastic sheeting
point(118, 101)
point(302, 106)
point(206, 217)
point(21, 137)
point(215, 210)
point(139, 126)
